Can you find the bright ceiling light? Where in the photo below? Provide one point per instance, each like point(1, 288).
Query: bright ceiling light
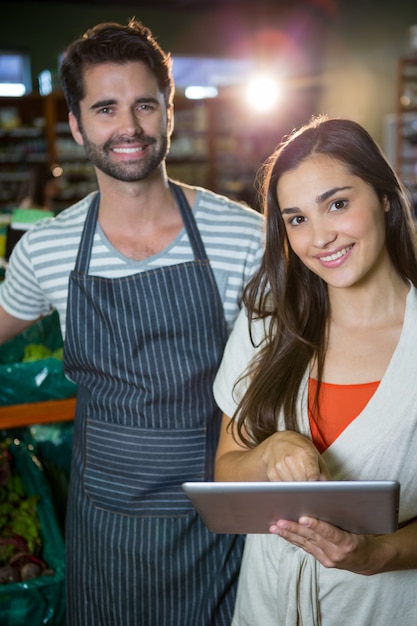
point(262, 93)
point(12, 89)
point(199, 93)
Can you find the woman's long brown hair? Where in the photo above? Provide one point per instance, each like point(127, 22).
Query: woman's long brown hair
point(288, 294)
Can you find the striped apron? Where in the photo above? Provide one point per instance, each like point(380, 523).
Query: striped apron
point(144, 351)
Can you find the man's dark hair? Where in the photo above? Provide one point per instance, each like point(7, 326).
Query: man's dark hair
point(110, 42)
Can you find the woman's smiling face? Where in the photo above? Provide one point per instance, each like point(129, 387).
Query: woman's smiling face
point(334, 220)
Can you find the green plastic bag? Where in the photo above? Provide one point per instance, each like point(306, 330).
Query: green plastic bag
point(52, 444)
point(39, 601)
point(39, 380)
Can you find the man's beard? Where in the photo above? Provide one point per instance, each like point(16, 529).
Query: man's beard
point(128, 171)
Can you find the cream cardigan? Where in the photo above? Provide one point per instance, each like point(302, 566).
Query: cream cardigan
point(281, 585)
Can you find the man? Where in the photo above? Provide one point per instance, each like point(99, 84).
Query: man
point(147, 291)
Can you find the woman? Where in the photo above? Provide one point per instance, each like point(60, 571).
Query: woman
point(319, 376)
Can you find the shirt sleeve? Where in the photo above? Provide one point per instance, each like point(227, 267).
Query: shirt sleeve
point(228, 388)
point(20, 292)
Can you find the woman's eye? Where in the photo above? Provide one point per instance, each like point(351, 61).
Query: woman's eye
point(298, 219)
point(337, 205)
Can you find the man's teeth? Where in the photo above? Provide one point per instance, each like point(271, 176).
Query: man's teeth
point(127, 150)
point(336, 255)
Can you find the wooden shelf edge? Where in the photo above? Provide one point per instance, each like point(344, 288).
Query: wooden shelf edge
point(17, 415)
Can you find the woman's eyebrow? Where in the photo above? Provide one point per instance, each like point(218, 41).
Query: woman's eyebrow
point(319, 199)
point(328, 194)
point(290, 211)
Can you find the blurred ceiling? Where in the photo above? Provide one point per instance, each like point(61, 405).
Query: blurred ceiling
point(323, 8)
point(193, 5)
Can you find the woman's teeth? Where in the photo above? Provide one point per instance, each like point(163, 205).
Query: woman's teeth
point(336, 255)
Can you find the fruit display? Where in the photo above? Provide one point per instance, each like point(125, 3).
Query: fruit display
point(36, 351)
point(20, 527)
point(31, 365)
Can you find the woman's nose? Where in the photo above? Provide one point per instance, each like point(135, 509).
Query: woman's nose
point(323, 234)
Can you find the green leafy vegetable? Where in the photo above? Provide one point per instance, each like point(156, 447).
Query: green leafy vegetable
point(20, 528)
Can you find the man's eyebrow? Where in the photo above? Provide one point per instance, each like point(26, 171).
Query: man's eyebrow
point(328, 194)
point(110, 102)
point(102, 103)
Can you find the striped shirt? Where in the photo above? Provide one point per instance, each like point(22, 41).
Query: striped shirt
point(37, 277)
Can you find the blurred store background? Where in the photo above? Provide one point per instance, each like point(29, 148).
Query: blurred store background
point(247, 72)
point(345, 58)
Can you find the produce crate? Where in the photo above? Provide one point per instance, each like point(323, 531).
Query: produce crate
point(38, 601)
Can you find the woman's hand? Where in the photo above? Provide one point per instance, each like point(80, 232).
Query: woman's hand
point(289, 456)
point(284, 456)
point(333, 547)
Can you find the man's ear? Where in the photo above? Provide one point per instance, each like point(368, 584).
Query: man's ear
point(170, 120)
point(75, 129)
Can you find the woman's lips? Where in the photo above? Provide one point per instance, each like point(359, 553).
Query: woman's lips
point(335, 258)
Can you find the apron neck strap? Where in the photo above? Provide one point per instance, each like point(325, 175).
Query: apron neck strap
point(86, 244)
point(189, 222)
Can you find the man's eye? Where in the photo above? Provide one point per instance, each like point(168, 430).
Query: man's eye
point(145, 108)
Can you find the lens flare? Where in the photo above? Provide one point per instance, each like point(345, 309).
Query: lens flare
point(262, 92)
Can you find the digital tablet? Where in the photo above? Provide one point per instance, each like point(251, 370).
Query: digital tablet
point(250, 507)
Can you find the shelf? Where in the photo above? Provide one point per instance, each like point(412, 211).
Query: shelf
point(24, 158)
point(21, 133)
point(17, 415)
point(406, 124)
point(34, 129)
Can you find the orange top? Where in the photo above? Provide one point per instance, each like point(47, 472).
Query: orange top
point(339, 405)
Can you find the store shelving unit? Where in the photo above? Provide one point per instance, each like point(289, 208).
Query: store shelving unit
point(406, 127)
point(241, 141)
point(190, 157)
point(78, 177)
point(34, 129)
point(219, 144)
point(23, 142)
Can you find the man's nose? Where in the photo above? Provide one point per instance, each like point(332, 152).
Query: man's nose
point(130, 123)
